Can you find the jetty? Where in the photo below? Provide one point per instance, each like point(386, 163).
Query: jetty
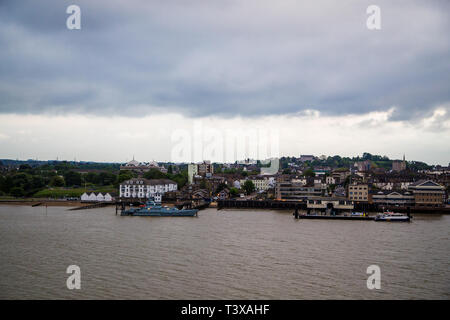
point(330, 217)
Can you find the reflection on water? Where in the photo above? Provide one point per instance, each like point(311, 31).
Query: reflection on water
point(228, 254)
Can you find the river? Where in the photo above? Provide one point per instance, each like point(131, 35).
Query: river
point(226, 254)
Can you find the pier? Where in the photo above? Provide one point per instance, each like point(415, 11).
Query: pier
point(328, 217)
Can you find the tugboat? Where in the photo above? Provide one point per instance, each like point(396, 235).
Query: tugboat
point(153, 209)
point(393, 217)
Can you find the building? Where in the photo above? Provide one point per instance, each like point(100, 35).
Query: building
point(84, 197)
point(203, 169)
point(329, 203)
point(192, 172)
point(358, 192)
point(295, 191)
point(108, 198)
point(144, 188)
point(223, 194)
point(261, 183)
point(363, 166)
point(392, 198)
point(340, 175)
point(427, 193)
point(306, 157)
point(141, 167)
point(330, 180)
point(398, 165)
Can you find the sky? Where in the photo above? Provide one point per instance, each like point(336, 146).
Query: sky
point(175, 80)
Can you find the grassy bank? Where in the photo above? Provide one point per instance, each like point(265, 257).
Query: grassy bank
point(58, 193)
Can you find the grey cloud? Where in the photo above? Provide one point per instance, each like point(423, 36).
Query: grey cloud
point(224, 58)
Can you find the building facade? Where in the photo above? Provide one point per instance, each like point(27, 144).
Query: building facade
point(294, 191)
point(428, 193)
point(144, 188)
point(358, 192)
point(393, 198)
point(141, 167)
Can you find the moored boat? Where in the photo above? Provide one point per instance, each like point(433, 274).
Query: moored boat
point(153, 209)
point(393, 217)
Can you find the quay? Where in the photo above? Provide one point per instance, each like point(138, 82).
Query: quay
point(263, 204)
point(328, 217)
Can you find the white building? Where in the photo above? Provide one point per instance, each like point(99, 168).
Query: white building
point(108, 198)
point(330, 180)
point(100, 197)
point(145, 188)
point(192, 172)
point(142, 166)
point(261, 184)
point(92, 197)
point(84, 197)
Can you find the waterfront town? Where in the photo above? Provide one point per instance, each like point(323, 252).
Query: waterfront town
point(319, 183)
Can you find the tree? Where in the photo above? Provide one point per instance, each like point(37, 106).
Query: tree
point(154, 174)
point(249, 187)
point(287, 171)
point(170, 170)
point(220, 187)
point(106, 178)
point(72, 178)
point(309, 173)
point(91, 177)
point(17, 192)
point(57, 181)
point(123, 176)
point(234, 191)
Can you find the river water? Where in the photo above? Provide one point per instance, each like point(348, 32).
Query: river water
point(226, 254)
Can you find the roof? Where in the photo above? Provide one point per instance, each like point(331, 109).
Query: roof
point(425, 183)
point(151, 182)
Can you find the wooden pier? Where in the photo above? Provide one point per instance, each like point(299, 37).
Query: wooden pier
point(328, 217)
point(262, 204)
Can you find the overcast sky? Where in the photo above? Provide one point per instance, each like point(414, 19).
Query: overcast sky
point(310, 71)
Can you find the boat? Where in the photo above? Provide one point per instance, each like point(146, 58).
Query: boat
point(153, 209)
point(358, 214)
point(393, 217)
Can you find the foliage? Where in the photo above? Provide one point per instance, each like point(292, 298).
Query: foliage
point(249, 187)
point(309, 173)
point(234, 192)
point(57, 181)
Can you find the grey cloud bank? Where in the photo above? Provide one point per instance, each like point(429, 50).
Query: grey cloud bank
point(227, 58)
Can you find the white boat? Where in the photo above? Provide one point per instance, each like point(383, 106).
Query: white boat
point(358, 214)
point(392, 217)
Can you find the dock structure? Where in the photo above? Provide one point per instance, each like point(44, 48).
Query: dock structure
point(262, 204)
point(91, 206)
point(329, 217)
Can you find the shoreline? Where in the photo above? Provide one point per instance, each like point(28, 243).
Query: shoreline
point(44, 202)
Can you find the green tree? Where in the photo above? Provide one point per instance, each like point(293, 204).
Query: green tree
point(106, 178)
point(220, 187)
point(91, 177)
point(57, 181)
point(234, 192)
point(154, 174)
point(123, 176)
point(72, 178)
point(17, 192)
point(309, 173)
point(249, 186)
